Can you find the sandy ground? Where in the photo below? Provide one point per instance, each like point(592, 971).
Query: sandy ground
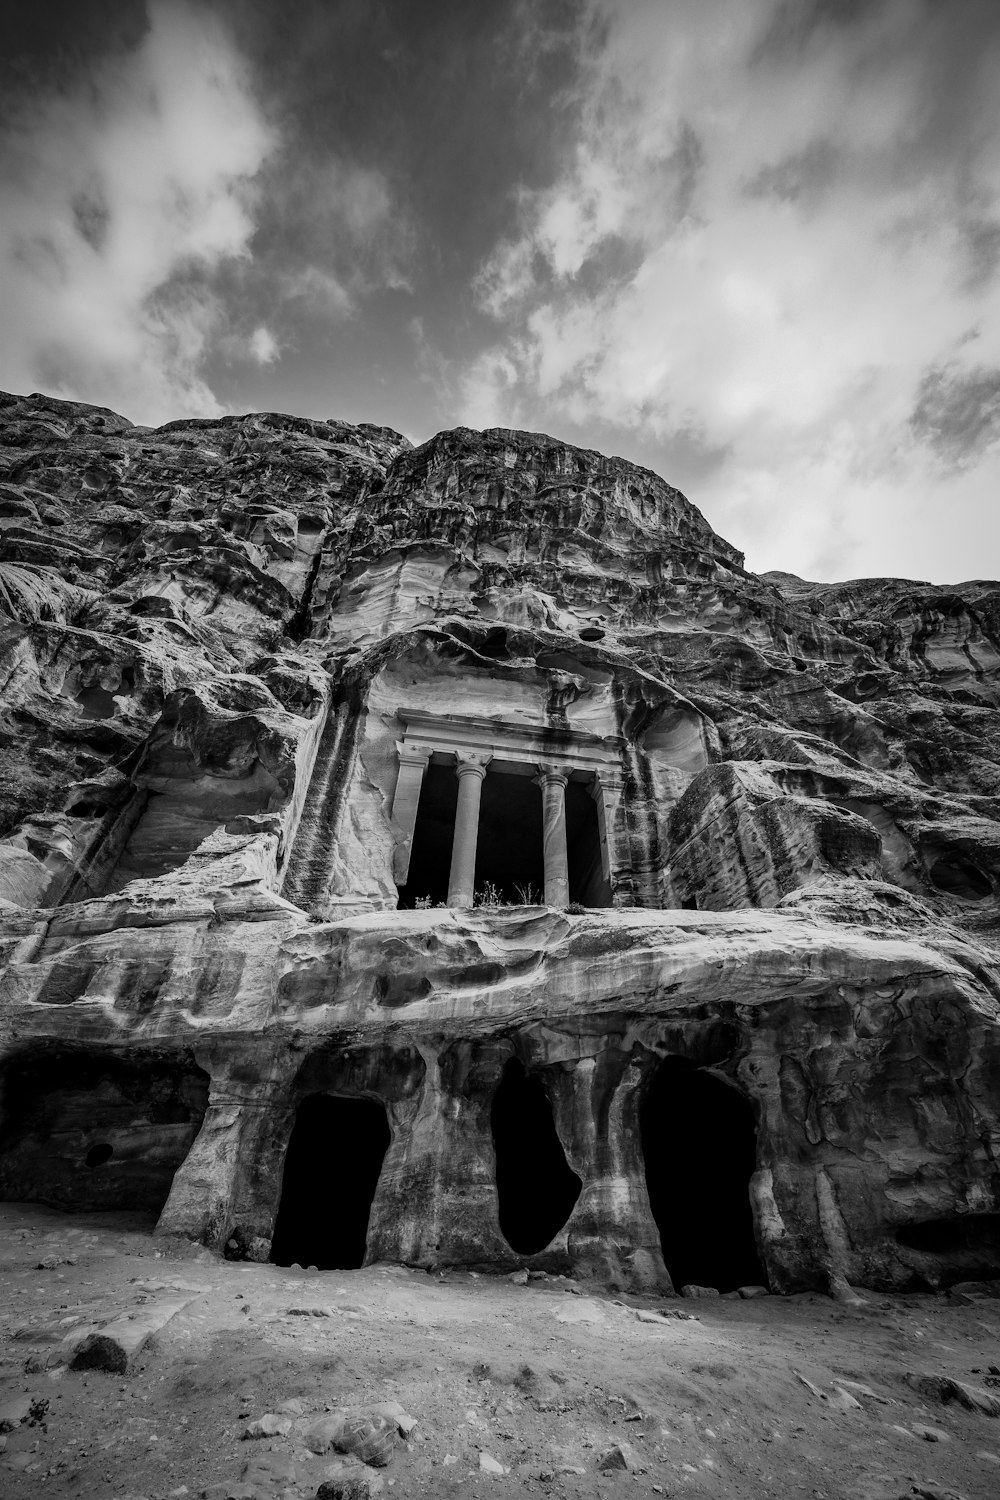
point(543, 1379)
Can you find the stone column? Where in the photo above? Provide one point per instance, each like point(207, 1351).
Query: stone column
point(412, 765)
point(200, 1202)
point(611, 1234)
point(606, 791)
point(440, 1207)
point(553, 785)
point(461, 882)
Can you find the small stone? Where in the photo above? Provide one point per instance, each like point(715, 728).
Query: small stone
point(269, 1425)
point(369, 1435)
point(13, 1413)
point(753, 1291)
point(930, 1434)
point(620, 1457)
point(519, 1278)
point(691, 1289)
point(489, 1465)
point(321, 1436)
point(350, 1487)
point(405, 1424)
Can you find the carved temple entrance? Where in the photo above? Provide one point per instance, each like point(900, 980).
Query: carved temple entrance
point(520, 813)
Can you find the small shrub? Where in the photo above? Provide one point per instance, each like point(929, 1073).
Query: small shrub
point(575, 909)
point(489, 895)
point(527, 895)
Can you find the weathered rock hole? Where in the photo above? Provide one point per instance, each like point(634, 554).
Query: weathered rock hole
point(144, 1113)
point(960, 877)
point(332, 1169)
point(699, 1148)
point(97, 703)
point(967, 1246)
point(536, 1187)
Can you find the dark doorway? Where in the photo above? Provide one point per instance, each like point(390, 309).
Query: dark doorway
point(536, 1187)
point(509, 864)
point(331, 1172)
point(433, 835)
point(587, 882)
point(699, 1146)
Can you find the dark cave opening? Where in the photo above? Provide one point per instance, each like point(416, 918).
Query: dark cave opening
point(332, 1169)
point(960, 877)
point(966, 1247)
point(699, 1147)
point(87, 1132)
point(536, 1187)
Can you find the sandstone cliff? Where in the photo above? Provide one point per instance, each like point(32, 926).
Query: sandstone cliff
point(726, 1005)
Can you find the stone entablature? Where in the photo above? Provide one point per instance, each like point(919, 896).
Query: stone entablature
point(551, 755)
point(517, 746)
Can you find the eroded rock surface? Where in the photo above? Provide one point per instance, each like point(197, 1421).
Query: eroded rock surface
point(721, 832)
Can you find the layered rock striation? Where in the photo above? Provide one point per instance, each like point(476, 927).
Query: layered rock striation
point(452, 855)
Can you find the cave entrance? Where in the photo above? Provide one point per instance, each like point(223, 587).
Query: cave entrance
point(87, 1132)
point(965, 1247)
point(332, 1169)
point(536, 1187)
point(699, 1146)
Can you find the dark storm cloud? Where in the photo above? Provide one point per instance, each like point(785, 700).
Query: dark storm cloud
point(452, 104)
point(957, 414)
point(743, 243)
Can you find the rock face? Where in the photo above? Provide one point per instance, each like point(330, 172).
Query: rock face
point(451, 855)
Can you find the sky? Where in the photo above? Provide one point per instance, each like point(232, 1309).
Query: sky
point(753, 245)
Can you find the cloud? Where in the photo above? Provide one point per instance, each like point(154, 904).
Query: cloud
point(121, 195)
point(958, 414)
point(776, 240)
point(264, 347)
point(331, 233)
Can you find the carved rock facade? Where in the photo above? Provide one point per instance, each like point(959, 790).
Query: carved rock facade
point(452, 855)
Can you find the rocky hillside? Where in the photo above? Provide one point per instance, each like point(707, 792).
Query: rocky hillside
point(242, 661)
point(200, 583)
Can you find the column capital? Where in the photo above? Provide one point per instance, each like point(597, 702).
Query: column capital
point(551, 776)
point(472, 765)
point(412, 755)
